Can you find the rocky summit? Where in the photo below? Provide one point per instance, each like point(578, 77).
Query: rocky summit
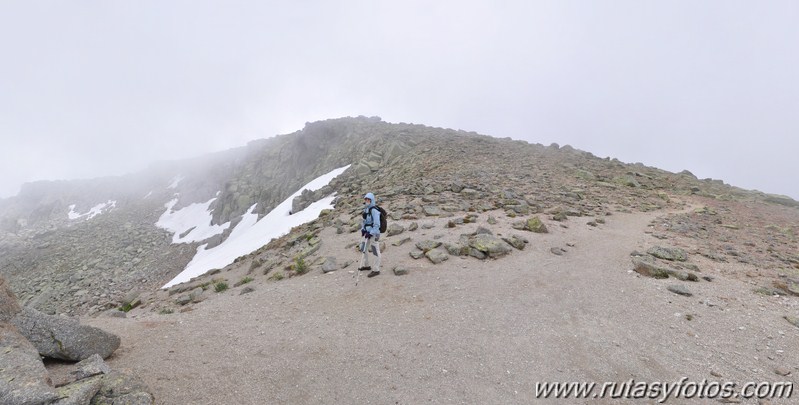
point(486, 232)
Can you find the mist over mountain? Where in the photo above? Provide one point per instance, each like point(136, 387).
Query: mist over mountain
point(61, 258)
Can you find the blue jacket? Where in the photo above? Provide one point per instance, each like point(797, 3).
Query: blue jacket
point(371, 222)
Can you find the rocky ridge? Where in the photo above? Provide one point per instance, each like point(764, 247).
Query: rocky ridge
point(417, 171)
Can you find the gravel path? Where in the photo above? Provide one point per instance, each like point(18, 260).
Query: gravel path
point(464, 331)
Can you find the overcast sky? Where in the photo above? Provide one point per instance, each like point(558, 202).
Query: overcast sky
point(95, 88)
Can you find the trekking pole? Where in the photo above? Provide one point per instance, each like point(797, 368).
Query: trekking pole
point(363, 248)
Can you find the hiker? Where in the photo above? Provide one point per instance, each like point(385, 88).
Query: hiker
point(370, 232)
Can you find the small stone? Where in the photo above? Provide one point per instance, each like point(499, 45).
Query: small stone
point(792, 320)
point(715, 373)
point(557, 251)
point(484, 231)
point(679, 289)
point(413, 226)
point(401, 242)
point(246, 290)
point(416, 253)
point(782, 370)
point(400, 271)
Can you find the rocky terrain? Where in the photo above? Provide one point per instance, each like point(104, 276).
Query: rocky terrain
point(494, 208)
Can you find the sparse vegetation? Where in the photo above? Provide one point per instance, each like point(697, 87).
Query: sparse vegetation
point(277, 276)
point(126, 307)
point(166, 311)
point(243, 281)
point(220, 286)
point(300, 267)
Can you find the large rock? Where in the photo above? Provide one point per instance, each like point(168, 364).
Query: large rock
point(23, 378)
point(125, 389)
point(79, 392)
point(8, 302)
point(517, 241)
point(64, 338)
point(329, 265)
point(394, 229)
point(665, 253)
point(437, 255)
point(489, 245)
point(91, 367)
point(534, 224)
point(427, 245)
point(650, 269)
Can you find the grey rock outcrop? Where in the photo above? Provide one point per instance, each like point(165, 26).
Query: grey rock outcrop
point(23, 378)
point(119, 388)
point(64, 338)
point(489, 245)
point(90, 367)
point(394, 229)
point(437, 255)
point(79, 392)
point(667, 253)
point(8, 302)
point(329, 265)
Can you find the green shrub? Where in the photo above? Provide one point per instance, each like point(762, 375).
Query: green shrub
point(299, 266)
point(243, 281)
point(277, 276)
point(220, 286)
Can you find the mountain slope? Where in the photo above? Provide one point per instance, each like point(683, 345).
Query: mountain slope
point(63, 265)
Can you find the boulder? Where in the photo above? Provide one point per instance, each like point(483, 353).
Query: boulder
point(665, 253)
point(119, 388)
point(79, 392)
point(394, 229)
point(427, 245)
point(64, 338)
point(90, 367)
point(401, 242)
point(431, 210)
point(23, 378)
point(329, 265)
point(648, 269)
point(679, 289)
point(534, 224)
point(8, 302)
point(437, 255)
point(489, 245)
point(519, 242)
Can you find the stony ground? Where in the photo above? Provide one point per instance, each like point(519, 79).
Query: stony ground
point(466, 330)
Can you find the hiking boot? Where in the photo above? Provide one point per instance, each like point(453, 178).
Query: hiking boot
point(365, 268)
point(373, 273)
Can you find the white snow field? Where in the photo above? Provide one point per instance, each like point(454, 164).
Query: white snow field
point(251, 234)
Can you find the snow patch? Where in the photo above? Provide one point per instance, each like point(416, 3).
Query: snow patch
point(251, 234)
point(175, 181)
point(191, 223)
point(93, 212)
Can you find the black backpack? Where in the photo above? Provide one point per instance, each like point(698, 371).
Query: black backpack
point(383, 218)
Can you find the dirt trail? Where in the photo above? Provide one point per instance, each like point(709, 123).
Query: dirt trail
point(465, 331)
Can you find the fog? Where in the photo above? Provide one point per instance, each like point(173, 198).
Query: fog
point(97, 88)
